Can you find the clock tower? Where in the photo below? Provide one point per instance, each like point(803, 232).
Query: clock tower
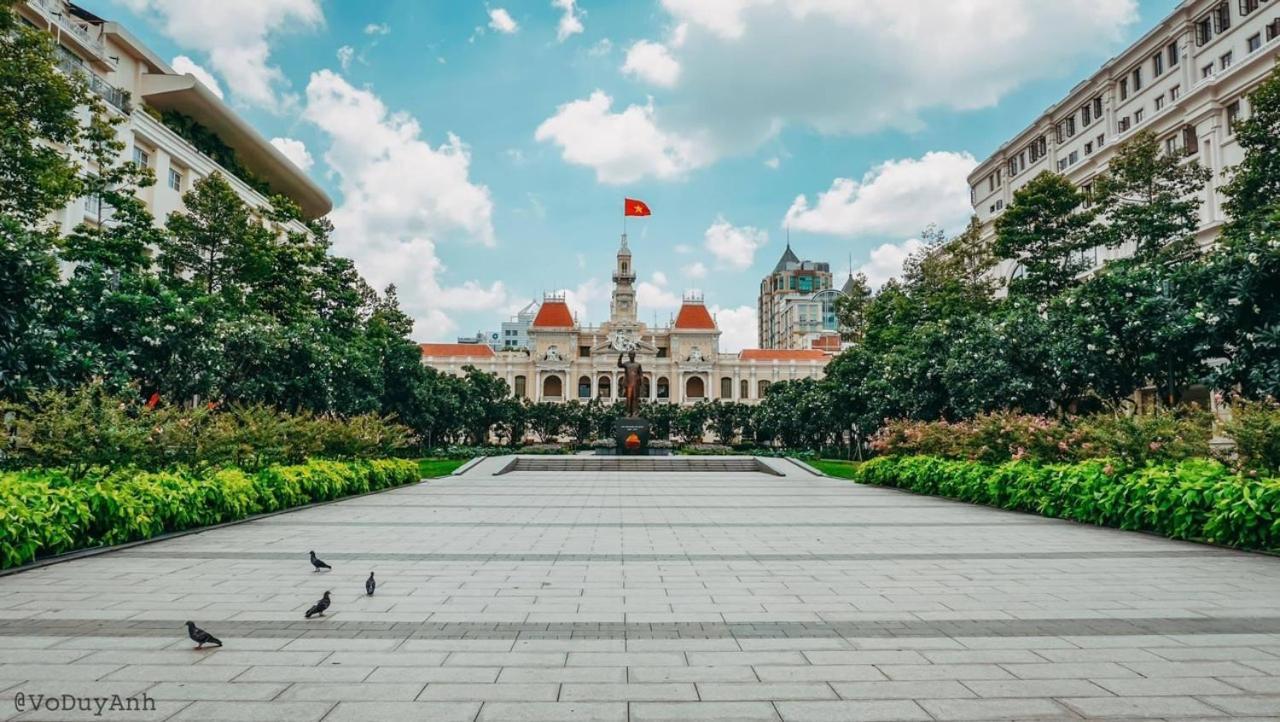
point(622, 308)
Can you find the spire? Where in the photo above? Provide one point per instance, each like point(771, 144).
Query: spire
point(624, 248)
point(788, 257)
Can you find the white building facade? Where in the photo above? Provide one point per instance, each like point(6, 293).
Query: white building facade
point(138, 86)
point(1186, 81)
point(566, 361)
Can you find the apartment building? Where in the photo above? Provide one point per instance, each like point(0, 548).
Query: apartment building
point(160, 108)
point(796, 305)
point(1186, 81)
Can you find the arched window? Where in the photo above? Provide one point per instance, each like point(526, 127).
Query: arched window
point(763, 387)
point(664, 388)
point(584, 387)
point(606, 387)
point(726, 388)
point(695, 388)
point(646, 387)
point(744, 390)
point(552, 387)
point(519, 387)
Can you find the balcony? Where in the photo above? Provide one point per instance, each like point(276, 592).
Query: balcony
point(59, 16)
point(114, 96)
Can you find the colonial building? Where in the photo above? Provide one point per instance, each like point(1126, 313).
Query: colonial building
point(796, 305)
point(1186, 80)
point(565, 360)
point(161, 108)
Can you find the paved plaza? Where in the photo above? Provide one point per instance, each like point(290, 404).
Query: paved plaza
point(655, 595)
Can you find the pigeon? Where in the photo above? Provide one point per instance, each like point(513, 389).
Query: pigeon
point(201, 637)
point(370, 585)
point(319, 607)
point(317, 563)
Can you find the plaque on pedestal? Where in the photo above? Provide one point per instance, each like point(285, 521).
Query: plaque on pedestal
point(631, 436)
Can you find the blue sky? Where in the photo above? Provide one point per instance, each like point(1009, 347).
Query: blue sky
point(478, 153)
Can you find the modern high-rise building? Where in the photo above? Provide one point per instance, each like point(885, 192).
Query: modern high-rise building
point(1186, 81)
point(797, 305)
point(169, 119)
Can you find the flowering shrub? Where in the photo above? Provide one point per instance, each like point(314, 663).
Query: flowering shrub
point(1005, 436)
point(45, 512)
point(1197, 499)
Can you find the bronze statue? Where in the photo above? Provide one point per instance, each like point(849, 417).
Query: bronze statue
point(631, 379)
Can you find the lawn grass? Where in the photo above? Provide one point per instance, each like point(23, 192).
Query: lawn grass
point(835, 467)
point(435, 468)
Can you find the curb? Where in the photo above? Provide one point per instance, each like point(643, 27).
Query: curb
point(95, 551)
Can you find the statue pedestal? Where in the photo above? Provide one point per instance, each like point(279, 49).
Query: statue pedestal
point(631, 436)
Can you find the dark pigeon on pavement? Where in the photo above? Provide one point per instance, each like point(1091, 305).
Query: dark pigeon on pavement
point(201, 637)
point(370, 585)
point(319, 607)
point(317, 563)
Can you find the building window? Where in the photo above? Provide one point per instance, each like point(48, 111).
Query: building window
point(1123, 125)
point(518, 387)
point(1097, 107)
point(1171, 145)
point(1222, 18)
point(552, 387)
point(726, 388)
point(141, 157)
point(1088, 148)
point(584, 388)
point(1172, 53)
point(695, 388)
point(1174, 92)
point(1071, 126)
point(1248, 6)
point(1101, 140)
point(1137, 79)
point(1137, 116)
point(1086, 116)
point(1207, 71)
point(1255, 42)
point(1190, 144)
point(605, 387)
point(1233, 115)
point(744, 389)
point(662, 352)
point(762, 388)
point(646, 387)
point(1073, 158)
point(1159, 102)
point(1157, 65)
point(175, 180)
point(1273, 29)
point(1204, 30)
point(1124, 88)
point(584, 352)
point(1224, 62)
point(664, 388)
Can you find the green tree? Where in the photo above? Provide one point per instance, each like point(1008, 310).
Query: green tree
point(851, 308)
point(1148, 200)
point(1253, 192)
point(1043, 229)
point(216, 245)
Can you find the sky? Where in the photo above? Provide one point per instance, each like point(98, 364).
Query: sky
point(478, 153)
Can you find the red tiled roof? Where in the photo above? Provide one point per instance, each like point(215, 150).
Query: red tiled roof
point(694, 316)
point(553, 314)
point(460, 350)
point(778, 354)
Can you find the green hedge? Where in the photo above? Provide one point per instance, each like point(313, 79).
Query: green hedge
point(1197, 499)
point(44, 511)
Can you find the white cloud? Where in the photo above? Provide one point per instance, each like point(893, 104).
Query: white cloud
point(652, 297)
point(295, 150)
point(750, 68)
point(501, 20)
point(399, 196)
point(897, 197)
point(570, 19)
point(659, 278)
point(587, 299)
point(885, 261)
point(652, 63)
point(684, 248)
point(345, 55)
point(377, 29)
point(773, 163)
point(183, 64)
point(235, 36)
point(602, 48)
point(738, 327)
point(734, 246)
point(697, 270)
point(621, 147)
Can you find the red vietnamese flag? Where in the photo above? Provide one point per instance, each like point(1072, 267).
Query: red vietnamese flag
point(633, 207)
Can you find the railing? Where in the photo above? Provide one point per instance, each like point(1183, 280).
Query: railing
point(108, 92)
point(56, 11)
